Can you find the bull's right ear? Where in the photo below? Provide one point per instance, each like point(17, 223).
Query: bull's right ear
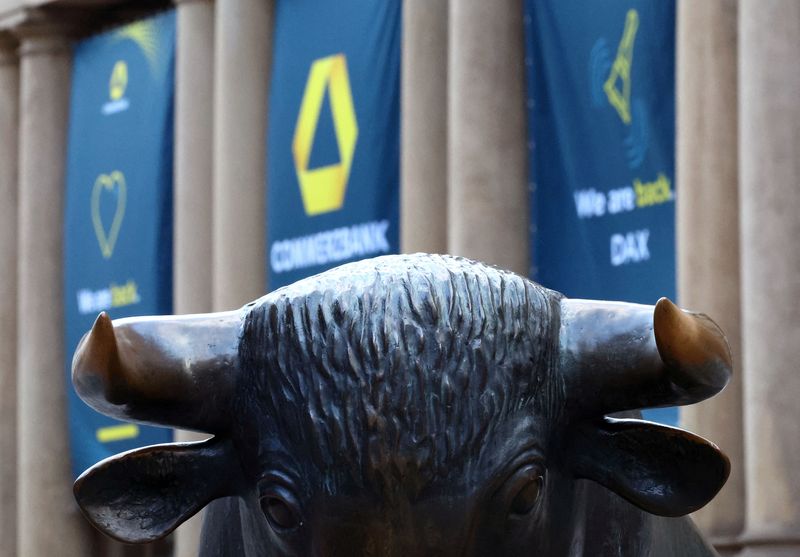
point(144, 494)
point(662, 470)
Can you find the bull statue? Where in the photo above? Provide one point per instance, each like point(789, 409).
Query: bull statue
point(414, 405)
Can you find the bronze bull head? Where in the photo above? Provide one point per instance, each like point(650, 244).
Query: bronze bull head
point(406, 405)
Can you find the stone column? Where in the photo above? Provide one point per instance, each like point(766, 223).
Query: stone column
point(49, 520)
point(487, 164)
point(769, 146)
point(194, 109)
point(243, 54)
point(423, 186)
point(9, 130)
point(192, 262)
point(708, 231)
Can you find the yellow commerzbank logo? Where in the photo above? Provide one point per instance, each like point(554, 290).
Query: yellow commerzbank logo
point(119, 81)
point(117, 86)
point(323, 188)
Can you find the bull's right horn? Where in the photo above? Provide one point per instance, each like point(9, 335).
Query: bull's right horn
point(172, 371)
point(617, 356)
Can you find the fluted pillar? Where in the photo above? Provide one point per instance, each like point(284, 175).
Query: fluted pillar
point(769, 148)
point(243, 47)
point(9, 130)
point(423, 173)
point(487, 164)
point(49, 520)
point(192, 262)
point(708, 231)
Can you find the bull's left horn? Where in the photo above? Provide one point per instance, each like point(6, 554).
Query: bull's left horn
point(174, 371)
point(617, 356)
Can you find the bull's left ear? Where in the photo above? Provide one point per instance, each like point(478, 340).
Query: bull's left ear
point(662, 470)
point(143, 495)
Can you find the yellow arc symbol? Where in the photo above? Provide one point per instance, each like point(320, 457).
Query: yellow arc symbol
point(107, 239)
point(323, 189)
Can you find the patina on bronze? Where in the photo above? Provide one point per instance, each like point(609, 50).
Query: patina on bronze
point(417, 405)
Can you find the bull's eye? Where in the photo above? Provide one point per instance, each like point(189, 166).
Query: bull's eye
point(281, 514)
point(522, 490)
point(526, 497)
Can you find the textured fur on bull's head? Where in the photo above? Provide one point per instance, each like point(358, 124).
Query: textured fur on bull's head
point(415, 405)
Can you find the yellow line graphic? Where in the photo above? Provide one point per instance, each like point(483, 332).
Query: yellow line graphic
point(145, 35)
point(621, 69)
point(117, 433)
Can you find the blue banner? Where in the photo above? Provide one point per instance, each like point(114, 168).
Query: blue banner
point(602, 128)
point(118, 215)
point(601, 98)
point(333, 139)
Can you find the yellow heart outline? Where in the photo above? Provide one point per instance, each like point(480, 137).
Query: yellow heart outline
point(107, 181)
